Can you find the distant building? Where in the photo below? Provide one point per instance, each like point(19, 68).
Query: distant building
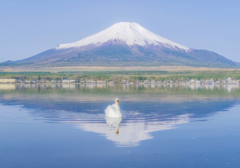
point(146, 82)
point(20, 81)
point(209, 82)
point(192, 80)
point(27, 81)
point(42, 81)
point(8, 80)
point(68, 81)
point(30, 81)
point(111, 82)
point(82, 81)
point(90, 82)
point(101, 82)
point(125, 81)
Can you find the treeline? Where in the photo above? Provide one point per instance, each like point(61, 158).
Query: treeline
point(124, 75)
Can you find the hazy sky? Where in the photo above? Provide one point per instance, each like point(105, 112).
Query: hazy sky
point(28, 27)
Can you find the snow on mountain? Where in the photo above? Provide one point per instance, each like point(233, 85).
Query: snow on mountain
point(128, 32)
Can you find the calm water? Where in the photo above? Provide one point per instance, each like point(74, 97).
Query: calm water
point(64, 126)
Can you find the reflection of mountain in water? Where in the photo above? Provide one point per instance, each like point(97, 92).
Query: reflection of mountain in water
point(196, 108)
point(133, 128)
point(146, 109)
point(133, 131)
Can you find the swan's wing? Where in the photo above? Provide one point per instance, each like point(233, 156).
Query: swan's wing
point(116, 108)
point(113, 111)
point(110, 110)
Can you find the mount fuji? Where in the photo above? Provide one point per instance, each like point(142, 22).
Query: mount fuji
point(129, 42)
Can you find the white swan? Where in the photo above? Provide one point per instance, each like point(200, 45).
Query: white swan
point(113, 110)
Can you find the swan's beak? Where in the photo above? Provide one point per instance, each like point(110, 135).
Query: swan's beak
point(117, 103)
point(117, 131)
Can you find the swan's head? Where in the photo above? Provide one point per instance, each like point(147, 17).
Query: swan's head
point(117, 101)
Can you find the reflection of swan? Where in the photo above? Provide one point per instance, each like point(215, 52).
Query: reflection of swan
point(113, 121)
point(113, 110)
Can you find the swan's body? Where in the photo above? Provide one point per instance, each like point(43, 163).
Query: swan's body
point(113, 110)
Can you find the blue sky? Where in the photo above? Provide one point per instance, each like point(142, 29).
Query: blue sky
point(29, 27)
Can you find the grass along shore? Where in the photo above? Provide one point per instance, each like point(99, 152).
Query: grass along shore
point(123, 76)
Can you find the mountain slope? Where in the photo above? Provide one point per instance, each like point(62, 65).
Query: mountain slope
point(129, 42)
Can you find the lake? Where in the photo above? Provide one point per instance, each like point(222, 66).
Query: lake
point(64, 126)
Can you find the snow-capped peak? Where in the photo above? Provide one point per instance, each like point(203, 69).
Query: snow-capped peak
point(129, 32)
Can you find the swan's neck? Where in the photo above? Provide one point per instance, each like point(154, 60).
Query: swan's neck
point(117, 109)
